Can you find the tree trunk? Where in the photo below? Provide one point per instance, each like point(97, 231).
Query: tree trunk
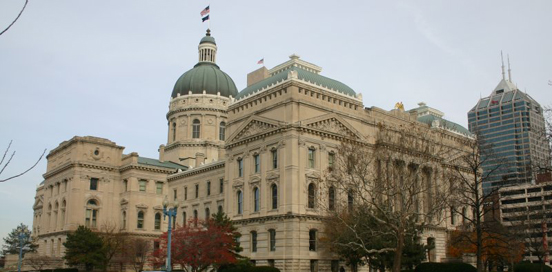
point(398, 253)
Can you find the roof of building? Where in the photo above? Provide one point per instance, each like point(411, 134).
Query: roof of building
point(207, 39)
point(205, 76)
point(158, 163)
point(434, 118)
point(302, 75)
point(505, 92)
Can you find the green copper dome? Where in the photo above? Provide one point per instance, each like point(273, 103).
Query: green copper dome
point(207, 39)
point(205, 76)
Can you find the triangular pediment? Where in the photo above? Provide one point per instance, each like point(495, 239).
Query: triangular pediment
point(255, 125)
point(334, 124)
point(38, 204)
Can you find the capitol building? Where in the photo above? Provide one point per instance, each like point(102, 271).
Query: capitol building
point(255, 154)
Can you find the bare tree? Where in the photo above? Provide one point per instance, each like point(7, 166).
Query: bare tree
point(39, 262)
point(478, 210)
point(16, 18)
point(113, 242)
point(10, 159)
point(136, 253)
point(394, 184)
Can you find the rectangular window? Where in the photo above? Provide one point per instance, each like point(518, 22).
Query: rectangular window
point(312, 240)
point(274, 158)
point(185, 193)
point(240, 167)
point(331, 160)
point(175, 194)
point(257, 161)
point(314, 265)
point(272, 237)
point(125, 185)
point(311, 157)
point(208, 188)
point(93, 184)
point(197, 190)
point(159, 188)
point(253, 241)
point(143, 184)
point(221, 181)
point(91, 218)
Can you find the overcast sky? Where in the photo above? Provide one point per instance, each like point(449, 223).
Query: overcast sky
point(107, 68)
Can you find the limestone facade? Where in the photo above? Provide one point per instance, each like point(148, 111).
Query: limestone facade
point(253, 156)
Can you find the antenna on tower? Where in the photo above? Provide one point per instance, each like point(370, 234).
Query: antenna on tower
point(502, 58)
point(509, 70)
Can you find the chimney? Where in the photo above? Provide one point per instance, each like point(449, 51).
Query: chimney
point(200, 159)
point(257, 76)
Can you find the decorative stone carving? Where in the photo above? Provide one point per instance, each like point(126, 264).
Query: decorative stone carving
point(255, 127)
point(301, 142)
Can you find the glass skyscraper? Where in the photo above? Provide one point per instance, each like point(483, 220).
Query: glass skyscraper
point(510, 125)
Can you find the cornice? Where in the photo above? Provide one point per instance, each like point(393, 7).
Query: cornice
point(77, 164)
point(197, 170)
point(146, 168)
point(171, 112)
point(264, 219)
point(193, 144)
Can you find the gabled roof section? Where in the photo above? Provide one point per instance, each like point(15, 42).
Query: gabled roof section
point(503, 87)
point(334, 124)
point(253, 126)
point(158, 163)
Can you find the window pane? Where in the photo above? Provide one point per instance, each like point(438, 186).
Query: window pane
point(159, 188)
point(94, 184)
point(274, 196)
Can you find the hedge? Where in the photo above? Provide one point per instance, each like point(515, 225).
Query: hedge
point(251, 269)
point(531, 267)
point(445, 267)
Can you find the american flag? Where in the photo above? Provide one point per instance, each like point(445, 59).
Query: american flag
point(261, 61)
point(205, 11)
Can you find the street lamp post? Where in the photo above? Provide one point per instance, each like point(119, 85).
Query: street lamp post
point(171, 213)
point(22, 237)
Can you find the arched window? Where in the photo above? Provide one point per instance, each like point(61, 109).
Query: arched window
point(140, 221)
point(91, 214)
point(350, 200)
point(157, 221)
point(331, 198)
point(196, 126)
point(312, 196)
point(124, 220)
point(239, 196)
point(452, 216)
point(56, 215)
point(274, 193)
point(256, 199)
point(312, 240)
point(62, 219)
point(207, 213)
point(253, 241)
point(431, 253)
point(222, 131)
point(174, 132)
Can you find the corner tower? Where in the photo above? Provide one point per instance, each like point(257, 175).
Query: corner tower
point(197, 114)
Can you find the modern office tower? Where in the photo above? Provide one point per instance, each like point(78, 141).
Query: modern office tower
point(510, 125)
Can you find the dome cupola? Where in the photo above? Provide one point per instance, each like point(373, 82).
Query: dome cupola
point(206, 74)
